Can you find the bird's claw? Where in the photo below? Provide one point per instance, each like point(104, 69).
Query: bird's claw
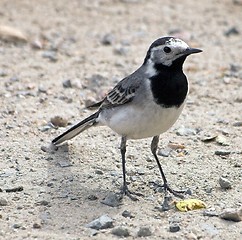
point(128, 193)
point(166, 188)
point(177, 193)
point(167, 198)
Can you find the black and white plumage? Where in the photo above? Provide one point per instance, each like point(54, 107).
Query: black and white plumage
point(146, 103)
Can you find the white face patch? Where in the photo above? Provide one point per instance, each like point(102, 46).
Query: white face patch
point(177, 43)
point(150, 71)
point(177, 46)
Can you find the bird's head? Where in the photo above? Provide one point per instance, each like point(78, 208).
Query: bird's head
point(166, 50)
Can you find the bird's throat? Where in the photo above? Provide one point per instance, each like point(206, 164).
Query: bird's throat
point(169, 87)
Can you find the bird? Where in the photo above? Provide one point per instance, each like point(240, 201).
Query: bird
point(144, 104)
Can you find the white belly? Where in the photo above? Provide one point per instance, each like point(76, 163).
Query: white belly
point(137, 123)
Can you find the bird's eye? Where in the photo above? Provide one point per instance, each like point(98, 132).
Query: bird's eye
point(167, 49)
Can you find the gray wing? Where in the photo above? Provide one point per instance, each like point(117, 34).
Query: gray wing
point(124, 92)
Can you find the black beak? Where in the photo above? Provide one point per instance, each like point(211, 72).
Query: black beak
point(189, 51)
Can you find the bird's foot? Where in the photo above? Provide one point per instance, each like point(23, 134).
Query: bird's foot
point(177, 193)
point(128, 193)
point(167, 189)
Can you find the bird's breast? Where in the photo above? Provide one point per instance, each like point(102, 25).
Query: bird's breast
point(137, 122)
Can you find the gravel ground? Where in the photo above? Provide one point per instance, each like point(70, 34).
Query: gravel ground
point(67, 55)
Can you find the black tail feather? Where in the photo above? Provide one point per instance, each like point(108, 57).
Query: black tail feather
point(76, 129)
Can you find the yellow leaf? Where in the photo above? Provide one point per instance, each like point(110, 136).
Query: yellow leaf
point(189, 204)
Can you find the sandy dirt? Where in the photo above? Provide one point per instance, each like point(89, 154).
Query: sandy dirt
point(94, 44)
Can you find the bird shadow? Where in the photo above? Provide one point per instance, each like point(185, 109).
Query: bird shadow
point(72, 203)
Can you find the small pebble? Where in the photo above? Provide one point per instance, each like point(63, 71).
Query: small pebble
point(49, 149)
point(37, 44)
point(176, 146)
point(208, 138)
point(76, 83)
point(210, 213)
point(17, 225)
point(16, 189)
point(163, 207)
point(64, 163)
point(188, 191)
point(112, 200)
point(184, 131)
point(66, 99)
point(25, 93)
point(101, 223)
point(73, 198)
point(237, 2)
point(235, 67)
point(114, 173)
point(58, 121)
point(43, 203)
point(237, 165)
point(3, 202)
point(232, 31)
point(49, 158)
point(141, 171)
point(12, 35)
point(14, 79)
point(164, 152)
point(224, 183)
point(127, 214)
point(237, 124)
point(45, 128)
point(174, 227)
point(108, 39)
point(232, 214)
point(92, 197)
point(3, 73)
point(99, 172)
point(96, 81)
point(67, 83)
point(122, 51)
point(93, 232)
point(50, 184)
point(208, 189)
point(36, 226)
point(222, 152)
point(133, 178)
point(42, 89)
point(191, 236)
point(120, 232)
point(51, 55)
point(144, 232)
point(221, 140)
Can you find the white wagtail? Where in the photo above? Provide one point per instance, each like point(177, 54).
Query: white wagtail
point(144, 104)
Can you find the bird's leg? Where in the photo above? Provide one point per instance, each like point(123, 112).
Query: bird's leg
point(125, 190)
point(167, 188)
